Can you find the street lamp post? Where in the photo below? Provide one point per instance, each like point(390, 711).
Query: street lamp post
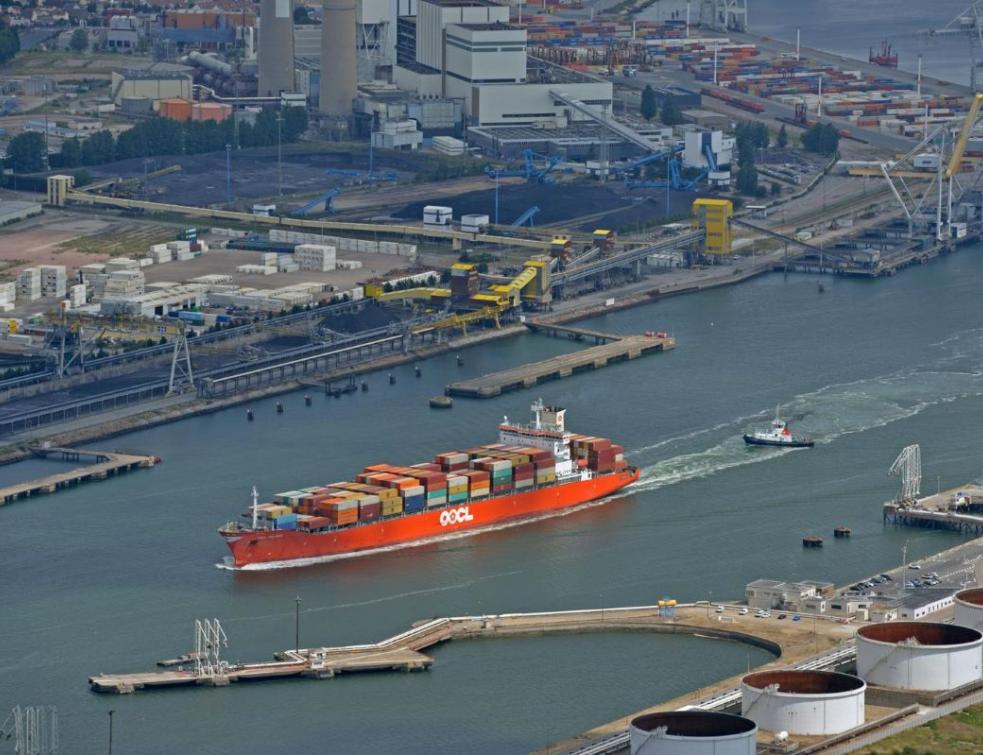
point(297, 625)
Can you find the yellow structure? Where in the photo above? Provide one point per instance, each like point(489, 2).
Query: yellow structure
point(406, 293)
point(960, 149)
point(713, 215)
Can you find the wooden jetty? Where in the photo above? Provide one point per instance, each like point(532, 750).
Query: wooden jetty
point(103, 464)
point(618, 349)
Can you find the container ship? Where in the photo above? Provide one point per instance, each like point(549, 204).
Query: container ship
point(534, 470)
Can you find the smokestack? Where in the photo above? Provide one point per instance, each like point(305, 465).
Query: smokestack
point(276, 47)
point(338, 57)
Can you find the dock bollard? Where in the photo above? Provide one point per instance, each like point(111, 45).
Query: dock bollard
point(249, 414)
point(279, 408)
point(392, 379)
point(307, 399)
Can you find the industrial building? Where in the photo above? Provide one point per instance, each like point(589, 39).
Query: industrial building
point(767, 594)
point(161, 81)
point(808, 703)
point(276, 48)
point(691, 731)
point(467, 50)
point(919, 656)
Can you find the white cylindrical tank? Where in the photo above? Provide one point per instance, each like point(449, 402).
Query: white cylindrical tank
point(276, 48)
point(969, 608)
point(913, 655)
point(692, 732)
point(339, 61)
point(807, 703)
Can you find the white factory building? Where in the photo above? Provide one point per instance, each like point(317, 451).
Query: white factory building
point(466, 49)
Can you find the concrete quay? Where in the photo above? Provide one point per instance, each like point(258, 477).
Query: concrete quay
point(617, 349)
point(403, 652)
point(105, 464)
point(958, 509)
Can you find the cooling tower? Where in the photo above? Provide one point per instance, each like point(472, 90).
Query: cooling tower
point(276, 47)
point(338, 57)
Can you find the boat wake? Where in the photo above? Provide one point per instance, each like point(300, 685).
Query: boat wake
point(825, 415)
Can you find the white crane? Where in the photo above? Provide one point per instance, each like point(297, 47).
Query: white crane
point(908, 466)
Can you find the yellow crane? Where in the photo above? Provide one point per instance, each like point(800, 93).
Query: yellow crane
point(959, 149)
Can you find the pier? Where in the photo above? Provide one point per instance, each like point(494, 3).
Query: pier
point(571, 332)
point(103, 464)
point(404, 651)
point(620, 348)
point(959, 509)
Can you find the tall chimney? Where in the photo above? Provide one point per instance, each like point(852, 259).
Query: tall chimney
point(276, 47)
point(338, 57)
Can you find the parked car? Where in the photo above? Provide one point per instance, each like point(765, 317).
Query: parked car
point(781, 616)
point(742, 611)
point(796, 618)
point(916, 567)
point(910, 585)
point(887, 577)
point(719, 609)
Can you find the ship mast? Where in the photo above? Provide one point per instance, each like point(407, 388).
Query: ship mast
point(255, 508)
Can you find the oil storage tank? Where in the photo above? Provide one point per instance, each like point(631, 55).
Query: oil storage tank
point(917, 656)
point(692, 732)
point(807, 703)
point(969, 608)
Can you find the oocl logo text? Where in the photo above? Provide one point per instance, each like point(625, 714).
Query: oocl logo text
point(456, 516)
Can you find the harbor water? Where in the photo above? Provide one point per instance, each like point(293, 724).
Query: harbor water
point(850, 28)
point(109, 577)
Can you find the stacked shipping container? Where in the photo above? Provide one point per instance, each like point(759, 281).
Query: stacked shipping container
point(385, 490)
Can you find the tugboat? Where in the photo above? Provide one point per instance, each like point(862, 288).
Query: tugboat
point(777, 435)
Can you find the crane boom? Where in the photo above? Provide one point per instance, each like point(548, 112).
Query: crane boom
point(960, 147)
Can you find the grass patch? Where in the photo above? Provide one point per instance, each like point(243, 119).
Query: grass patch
point(956, 734)
point(120, 241)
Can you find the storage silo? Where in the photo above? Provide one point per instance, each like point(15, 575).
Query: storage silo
point(913, 655)
point(276, 48)
point(807, 703)
point(692, 732)
point(969, 608)
point(339, 58)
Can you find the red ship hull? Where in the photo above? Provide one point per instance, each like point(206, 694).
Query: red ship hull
point(267, 546)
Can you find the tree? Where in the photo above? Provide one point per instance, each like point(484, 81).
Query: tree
point(776, 190)
point(649, 107)
point(79, 41)
point(9, 44)
point(671, 114)
point(99, 148)
point(71, 153)
point(294, 123)
point(782, 137)
point(822, 138)
point(26, 152)
point(747, 178)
